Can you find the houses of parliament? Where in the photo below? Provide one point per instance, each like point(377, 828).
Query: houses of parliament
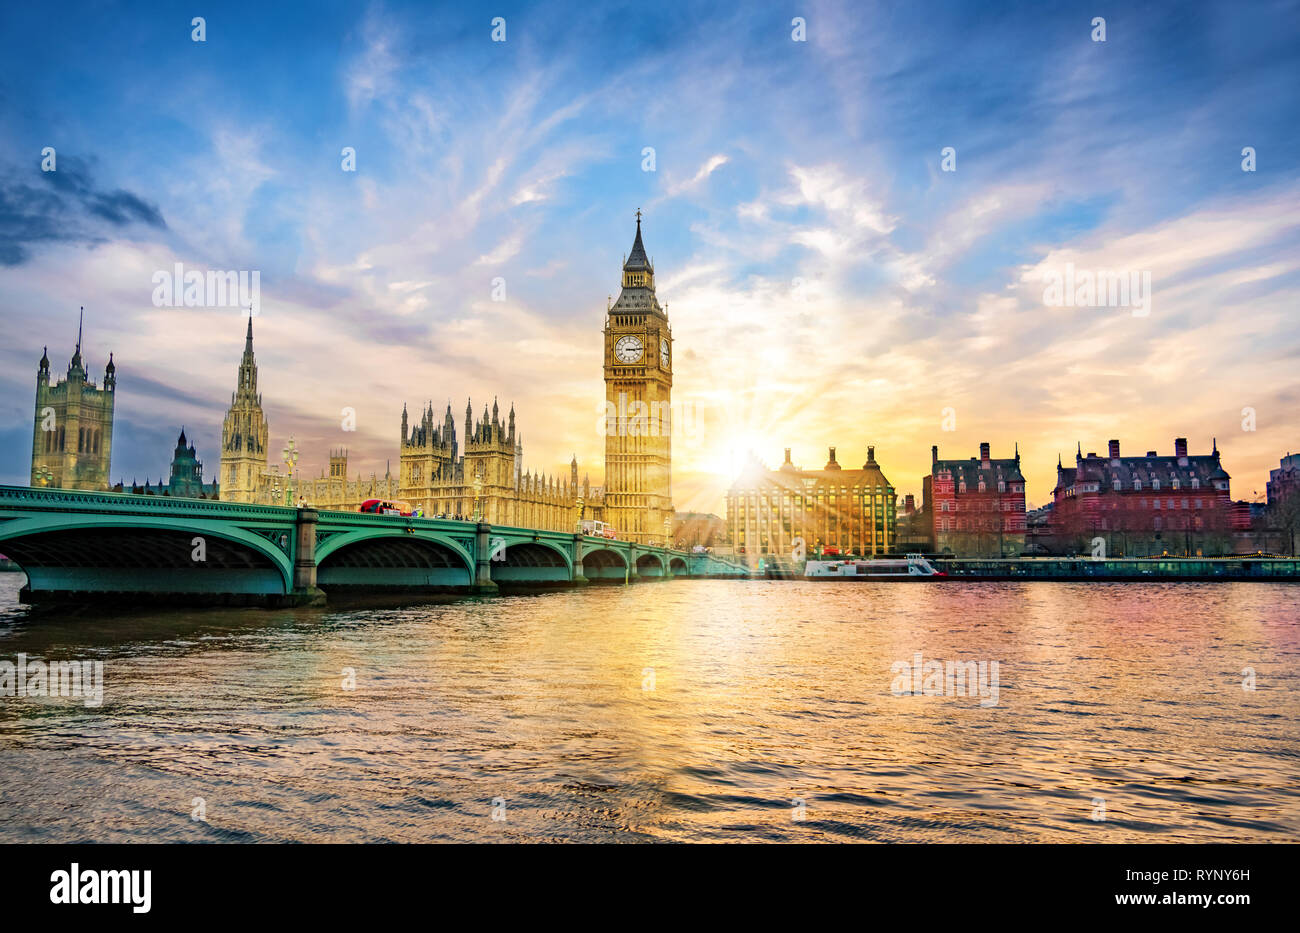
point(477, 474)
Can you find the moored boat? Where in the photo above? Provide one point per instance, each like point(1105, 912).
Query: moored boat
point(911, 567)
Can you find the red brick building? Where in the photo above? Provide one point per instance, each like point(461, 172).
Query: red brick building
point(1145, 506)
point(977, 506)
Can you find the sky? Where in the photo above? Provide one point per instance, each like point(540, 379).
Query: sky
point(852, 233)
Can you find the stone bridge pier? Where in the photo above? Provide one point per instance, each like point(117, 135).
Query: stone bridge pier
point(483, 582)
point(305, 592)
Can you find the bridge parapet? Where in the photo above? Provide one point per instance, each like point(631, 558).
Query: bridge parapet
point(29, 497)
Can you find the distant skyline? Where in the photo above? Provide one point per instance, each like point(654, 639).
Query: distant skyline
point(827, 281)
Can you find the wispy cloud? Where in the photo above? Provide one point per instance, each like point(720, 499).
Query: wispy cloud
point(827, 282)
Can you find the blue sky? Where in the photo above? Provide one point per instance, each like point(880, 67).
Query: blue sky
point(827, 282)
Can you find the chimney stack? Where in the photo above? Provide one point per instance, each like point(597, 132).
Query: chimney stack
point(787, 455)
point(871, 455)
point(1114, 450)
point(984, 452)
point(1180, 449)
point(934, 455)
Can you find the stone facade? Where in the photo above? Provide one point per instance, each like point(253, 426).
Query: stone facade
point(247, 476)
point(638, 395)
point(770, 511)
point(335, 492)
point(485, 480)
point(244, 435)
point(72, 433)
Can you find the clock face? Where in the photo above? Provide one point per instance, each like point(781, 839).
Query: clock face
point(628, 349)
point(663, 352)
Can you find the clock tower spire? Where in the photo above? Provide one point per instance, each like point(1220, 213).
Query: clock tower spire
point(638, 391)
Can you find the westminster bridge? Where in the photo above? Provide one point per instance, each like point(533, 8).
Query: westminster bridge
point(76, 545)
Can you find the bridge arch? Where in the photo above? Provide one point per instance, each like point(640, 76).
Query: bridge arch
point(531, 562)
point(650, 565)
point(604, 564)
point(145, 554)
point(677, 565)
point(392, 557)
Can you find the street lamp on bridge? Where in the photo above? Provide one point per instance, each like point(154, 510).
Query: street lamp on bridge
point(291, 462)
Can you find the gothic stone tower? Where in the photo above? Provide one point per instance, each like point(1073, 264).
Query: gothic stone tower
point(437, 476)
point(72, 437)
point(638, 389)
point(490, 448)
point(243, 433)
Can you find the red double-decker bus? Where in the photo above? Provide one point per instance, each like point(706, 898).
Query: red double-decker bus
point(387, 507)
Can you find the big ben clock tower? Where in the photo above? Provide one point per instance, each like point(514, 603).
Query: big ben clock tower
point(638, 390)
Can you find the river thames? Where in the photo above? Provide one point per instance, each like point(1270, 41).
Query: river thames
point(689, 710)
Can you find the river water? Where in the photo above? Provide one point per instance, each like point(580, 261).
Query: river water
point(671, 711)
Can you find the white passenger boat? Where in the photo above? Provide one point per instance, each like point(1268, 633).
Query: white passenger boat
point(914, 565)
